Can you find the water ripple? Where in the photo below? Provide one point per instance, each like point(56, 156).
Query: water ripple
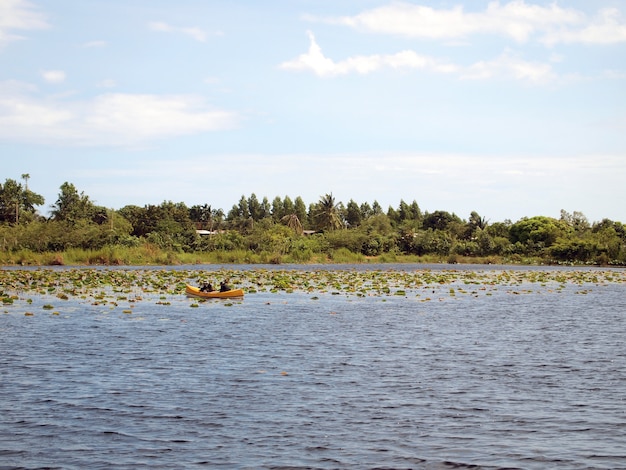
point(505, 381)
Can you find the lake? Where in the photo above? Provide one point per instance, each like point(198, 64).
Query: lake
point(472, 368)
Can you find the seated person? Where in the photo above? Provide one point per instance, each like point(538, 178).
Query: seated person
point(207, 287)
point(224, 287)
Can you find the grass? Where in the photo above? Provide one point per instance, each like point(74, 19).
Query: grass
point(149, 254)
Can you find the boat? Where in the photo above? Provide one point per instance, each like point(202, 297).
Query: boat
point(216, 294)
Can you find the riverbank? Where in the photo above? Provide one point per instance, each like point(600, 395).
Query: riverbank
point(147, 255)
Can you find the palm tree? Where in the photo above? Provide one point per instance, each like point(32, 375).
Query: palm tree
point(327, 213)
point(477, 222)
point(293, 222)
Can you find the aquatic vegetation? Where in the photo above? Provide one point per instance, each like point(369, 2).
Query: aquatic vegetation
point(129, 286)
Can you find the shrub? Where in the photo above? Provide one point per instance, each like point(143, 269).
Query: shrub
point(343, 255)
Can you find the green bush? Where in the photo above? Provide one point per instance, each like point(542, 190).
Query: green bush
point(343, 255)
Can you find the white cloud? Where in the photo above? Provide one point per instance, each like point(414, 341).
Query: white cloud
point(53, 76)
point(608, 27)
point(108, 119)
point(18, 15)
point(193, 32)
point(315, 61)
point(96, 43)
point(160, 26)
point(508, 66)
point(505, 66)
point(151, 116)
point(515, 19)
point(107, 83)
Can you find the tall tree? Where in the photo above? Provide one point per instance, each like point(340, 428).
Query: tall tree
point(201, 215)
point(440, 220)
point(404, 211)
point(354, 216)
point(15, 201)
point(577, 221)
point(277, 209)
point(10, 198)
point(415, 213)
point(376, 208)
point(300, 210)
point(475, 225)
point(254, 208)
point(244, 209)
point(393, 215)
point(288, 206)
point(25, 177)
point(72, 206)
point(266, 209)
point(327, 214)
point(366, 210)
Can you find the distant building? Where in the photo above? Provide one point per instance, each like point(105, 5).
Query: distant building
point(203, 233)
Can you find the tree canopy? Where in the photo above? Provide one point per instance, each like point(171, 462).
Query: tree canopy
point(286, 227)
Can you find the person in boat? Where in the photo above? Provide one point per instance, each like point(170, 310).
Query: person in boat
point(207, 287)
point(224, 286)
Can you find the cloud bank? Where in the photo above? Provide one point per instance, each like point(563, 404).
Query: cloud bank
point(108, 119)
point(193, 32)
point(18, 15)
point(517, 20)
point(507, 65)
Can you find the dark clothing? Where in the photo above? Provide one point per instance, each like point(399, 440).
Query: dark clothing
point(207, 288)
point(224, 287)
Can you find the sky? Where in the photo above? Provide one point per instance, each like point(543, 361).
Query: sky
point(510, 108)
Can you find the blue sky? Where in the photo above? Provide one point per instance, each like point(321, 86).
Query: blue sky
point(511, 108)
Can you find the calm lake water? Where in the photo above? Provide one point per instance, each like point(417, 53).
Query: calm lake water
point(479, 376)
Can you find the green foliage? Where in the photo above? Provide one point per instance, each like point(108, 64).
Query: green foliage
point(537, 233)
point(293, 222)
point(303, 249)
point(256, 231)
point(71, 206)
point(327, 214)
point(430, 242)
point(274, 238)
point(18, 203)
point(440, 220)
point(344, 255)
point(224, 241)
point(574, 250)
point(354, 216)
point(351, 240)
point(299, 209)
point(406, 214)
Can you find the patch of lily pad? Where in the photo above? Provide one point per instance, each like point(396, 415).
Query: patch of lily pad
point(113, 286)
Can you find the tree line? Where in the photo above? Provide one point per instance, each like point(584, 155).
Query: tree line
point(289, 230)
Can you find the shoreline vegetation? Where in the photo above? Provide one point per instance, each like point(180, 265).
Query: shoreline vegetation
point(150, 255)
point(285, 231)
